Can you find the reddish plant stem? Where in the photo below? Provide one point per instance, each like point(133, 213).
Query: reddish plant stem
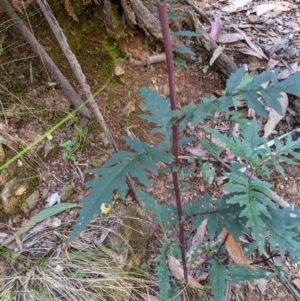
point(163, 17)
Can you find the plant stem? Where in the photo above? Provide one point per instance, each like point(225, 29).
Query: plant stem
point(163, 17)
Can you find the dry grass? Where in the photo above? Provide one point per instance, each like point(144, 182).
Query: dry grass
point(65, 271)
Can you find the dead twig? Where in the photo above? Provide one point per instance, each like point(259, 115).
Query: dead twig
point(153, 59)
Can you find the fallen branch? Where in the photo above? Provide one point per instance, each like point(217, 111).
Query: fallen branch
point(223, 62)
point(45, 58)
point(62, 40)
point(153, 59)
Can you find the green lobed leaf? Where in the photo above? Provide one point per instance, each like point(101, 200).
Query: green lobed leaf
point(214, 149)
point(234, 81)
point(253, 197)
point(250, 134)
point(113, 178)
point(260, 79)
point(159, 108)
point(180, 62)
point(217, 274)
point(226, 101)
point(291, 85)
point(270, 95)
point(201, 112)
point(252, 101)
point(163, 275)
point(284, 225)
point(185, 33)
point(161, 213)
point(208, 171)
point(183, 49)
point(239, 274)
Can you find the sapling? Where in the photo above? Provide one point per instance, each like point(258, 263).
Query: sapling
point(247, 207)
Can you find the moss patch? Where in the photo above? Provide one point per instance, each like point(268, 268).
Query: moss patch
point(96, 49)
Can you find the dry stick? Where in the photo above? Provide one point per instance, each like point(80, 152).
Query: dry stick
point(61, 38)
point(223, 62)
point(198, 10)
point(45, 58)
point(153, 59)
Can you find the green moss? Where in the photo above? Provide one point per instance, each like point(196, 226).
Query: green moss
point(96, 50)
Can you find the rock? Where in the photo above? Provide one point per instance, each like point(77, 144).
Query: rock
point(45, 193)
point(119, 70)
point(129, 239)
point(8, 173)
point(31, 202)
point(2, 154)
point(11, 195)
point(104, 140)
point(65, 192)
point(49, 146)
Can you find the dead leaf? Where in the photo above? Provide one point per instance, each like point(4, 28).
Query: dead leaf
point(283, 6)
point(199, 152)
point(199, 236)
point(274, 117)
point(230, 38)
point(263, 8)
point(249, 51)
point(262, 284)
point(177, 271)
point(234, 249)
point(215, 30)
point(20, 190)
point(254, 19)
point(235, 5)
point(248, 25)
point(256, 48)
point(119, 71)
point(18, 241)
point(272, 64)
point(3, 237)
point(148, 297)
point(283, 74)
point(293, 25)
point(296, 282)
point(216, 54)
point(255, 63)
point(238, 45)
point(130, 107)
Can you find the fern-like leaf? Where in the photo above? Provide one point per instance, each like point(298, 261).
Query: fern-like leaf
point(159, 109)
point(238, 274)
point(113, 178)
point(284, 225)
point(162, 214)
point(218, 275)
point(163, 274)
point(254, 199)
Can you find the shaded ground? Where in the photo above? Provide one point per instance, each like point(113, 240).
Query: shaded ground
point(30, 106)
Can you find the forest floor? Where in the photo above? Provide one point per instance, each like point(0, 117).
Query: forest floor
point(31, 104)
